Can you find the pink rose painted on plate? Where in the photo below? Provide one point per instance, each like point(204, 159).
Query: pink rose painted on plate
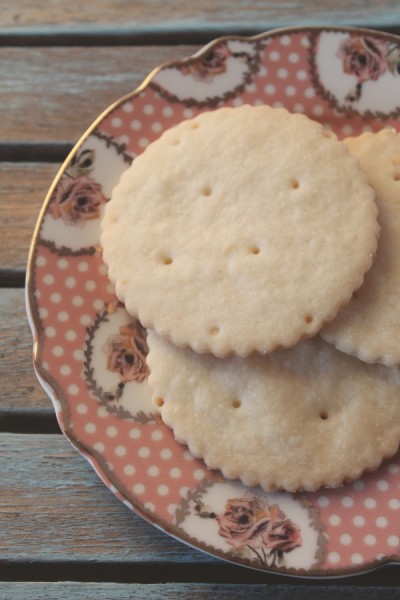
point(126, 353)
point(76, 201)
point(213, 63)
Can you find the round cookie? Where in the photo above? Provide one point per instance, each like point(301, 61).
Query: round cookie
point(242, 229)
point(368, 326)
point(296, 419)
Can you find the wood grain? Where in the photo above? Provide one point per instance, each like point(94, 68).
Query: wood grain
point(59, 92)
point(195, 591)
point(54, 508)
point(20, 390)
point(141, 16)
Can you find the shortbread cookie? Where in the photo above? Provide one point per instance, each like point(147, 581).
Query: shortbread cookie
point(369, 325)
point(242, 229)
point(296, 419)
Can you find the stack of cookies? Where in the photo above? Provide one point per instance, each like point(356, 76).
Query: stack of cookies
point(246, 241)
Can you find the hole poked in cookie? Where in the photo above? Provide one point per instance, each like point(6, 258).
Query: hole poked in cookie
point(309, 319)
point(176, 142)
point(254, 250)
point(396, 177)
point(206, 190)
point(159, 402)
point(214, 330)
point(323, 415)
point(295, 184)
point(236, 403)
point(195, 125)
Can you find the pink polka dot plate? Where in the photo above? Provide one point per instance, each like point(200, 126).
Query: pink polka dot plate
point(90, 355)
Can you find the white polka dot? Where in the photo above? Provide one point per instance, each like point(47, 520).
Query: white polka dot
point(73, 389)
point(175, 473)
point(277, 104)
point(136, 125)
point(116, 122)
point(345, 539)
point(41, 261)
point(111, 431)
point(85, 320)
point(153, 471)
point(323, 501)
point(63, 316)
point(294, 57)
point(369, 540)
point(90, 428)
point(301, 75)
point(359, 520)
point(65, 370)
point(48, 279)
point(393, 468)
point(110, 288)
point(347, 129)
point(274, 55)
point(83, 266)
point(45, 365)
point(102, 412)
point(333, 557)
point(183, 491)
point(78, 354)
point(335, 520)
point(162, 490)
point(123, 139)
point(38, 294)
point(62, 263)
point(110, 467)
point(357, 558)
point(99, 446)
point(318, 110)
point(290, 90)
point(135, 433)
point(143, 142)
point(298, 107)
point(347, 501)
point(129, 470)
point(167, 111)
point(82, 408)
point(77, 300)
point(393, 540)
point(70, 335)
point(251, 87)
point(382, 485)
point(70, 282)
point(282, 73)
point(157, 435)
point(139, 488)
point(237, 102)
point(359, 484)
point(285, 40)
point(150, 506)
point(262, 71)
point(270, 89)
point(120, 450)
point(148, 109)
point(198, 474)
point(127, 107)
point(309, 92)
point(103, 269)
point(90, 285)
point(258, 102)
point(305, 42)
point(187, 455)
point(394, 503)
point(98, 304)
point(165, 453)
point(156, 127)
point(381, 522)
point(144, 452)
point(50, 331)
point(58, 351)
point(55, 298)
point(171, 509)
point(370, 503)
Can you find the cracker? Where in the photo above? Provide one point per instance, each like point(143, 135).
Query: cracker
point(368, 327)
point(242, 229)
point(296, 419)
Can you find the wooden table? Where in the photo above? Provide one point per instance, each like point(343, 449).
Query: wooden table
point(61, 64)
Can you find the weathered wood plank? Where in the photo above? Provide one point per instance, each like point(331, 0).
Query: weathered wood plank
point(194, 591)
point(23, 188)
point(19, 389)
point(58, 92)
point(179, 16)
point(54, 508)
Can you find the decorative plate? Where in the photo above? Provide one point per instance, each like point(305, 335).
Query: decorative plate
point(90, 355)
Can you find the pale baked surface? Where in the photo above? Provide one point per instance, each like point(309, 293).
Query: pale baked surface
point(242, 229)
point(296, 419)
point(369, 325)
